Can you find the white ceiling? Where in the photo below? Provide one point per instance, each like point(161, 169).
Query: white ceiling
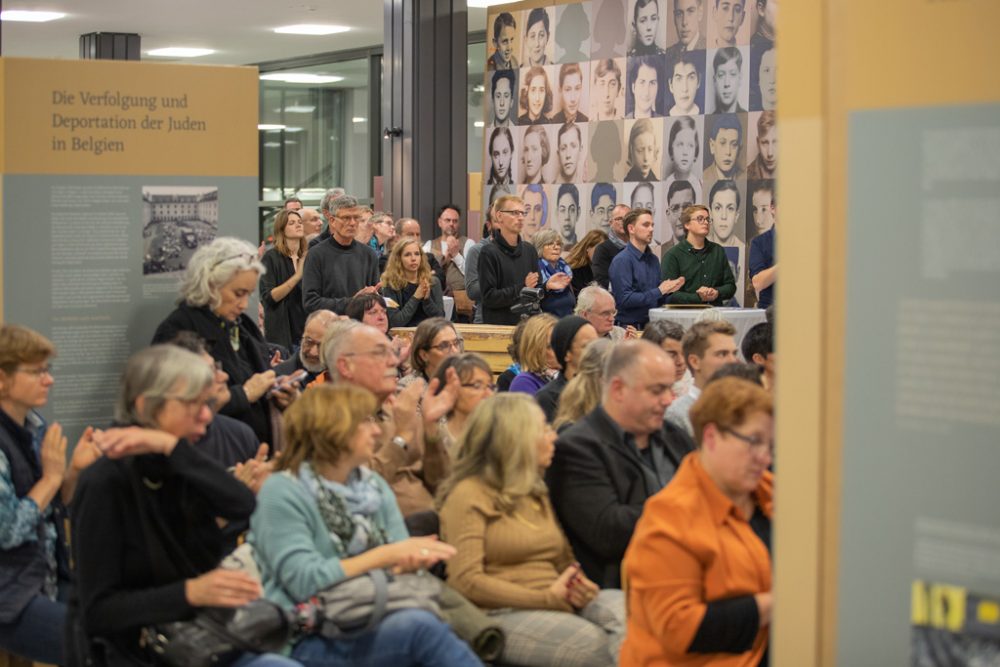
point(239, 30)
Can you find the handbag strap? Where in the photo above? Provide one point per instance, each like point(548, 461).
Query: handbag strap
point(380, 602)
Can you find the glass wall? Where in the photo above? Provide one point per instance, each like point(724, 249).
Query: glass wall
point(314, 133)
point(477, 65)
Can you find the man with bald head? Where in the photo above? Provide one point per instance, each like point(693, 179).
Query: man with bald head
point(409, 228)
point(408, 454)
point(312, 222)
point(610, 462)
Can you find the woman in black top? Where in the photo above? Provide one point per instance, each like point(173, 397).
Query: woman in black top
point(414, 291)
point(147, 539)
point(280, 289)
point(214, 295)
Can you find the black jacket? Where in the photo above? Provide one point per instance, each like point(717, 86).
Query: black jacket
point(599, 483)
point(502, 270)
point(125, 582)
point(249, 360)
point(283, 320)
point(601, 263)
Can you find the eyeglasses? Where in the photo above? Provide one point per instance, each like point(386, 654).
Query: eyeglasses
point(350, 218)
point(380, 352)
point(516, 214)
point(701, 218)
point(605, 313)
point(194, 404)
point(479, 386)
point(756, 444)
point(457, 344)
point(36, 372)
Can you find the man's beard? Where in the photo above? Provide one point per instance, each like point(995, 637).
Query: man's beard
point(318, 367)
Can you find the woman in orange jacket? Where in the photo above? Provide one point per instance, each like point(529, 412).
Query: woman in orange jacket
point(699, 567)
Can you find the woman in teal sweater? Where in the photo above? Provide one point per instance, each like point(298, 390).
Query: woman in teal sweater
point(325, 516)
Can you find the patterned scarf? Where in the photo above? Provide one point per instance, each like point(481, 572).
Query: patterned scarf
point(348, 510)
point(548, 270)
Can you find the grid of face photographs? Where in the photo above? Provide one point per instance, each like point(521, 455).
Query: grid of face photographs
point(653, 103)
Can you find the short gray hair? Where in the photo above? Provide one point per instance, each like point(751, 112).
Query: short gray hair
point(544, 237)
point(158, 373)
point(343, 201)
point(327, 315)
point(213, 265)
point(587, 297)
point(330, 195)
point(335, 343)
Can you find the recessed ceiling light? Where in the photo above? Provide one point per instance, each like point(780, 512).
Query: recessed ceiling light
point(294, 129)
point(300, 77)
point(311, 29)
point(478, 123)
point(272, 144)
point(358, 119)
point(179, 52)
point(273, 127)
point(300, 108)
point(29, 15)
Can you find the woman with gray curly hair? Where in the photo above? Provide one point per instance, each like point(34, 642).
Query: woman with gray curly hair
point(215, 292)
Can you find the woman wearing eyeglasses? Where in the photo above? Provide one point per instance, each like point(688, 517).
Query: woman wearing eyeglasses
point(434, 341)
point(476, 378)
point(215, 293)
point(712, 524)
point(148, 517)
point(35, 485)
point(408, 283)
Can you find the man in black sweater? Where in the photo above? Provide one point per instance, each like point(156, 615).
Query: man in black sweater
point(606, 251)
point(339, 268)
point(508, 264)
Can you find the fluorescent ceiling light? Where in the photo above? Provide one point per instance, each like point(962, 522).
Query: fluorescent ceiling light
point(179, 52)
point(272, 144)
point(300, 108)
point(270, 126)
point(483, 4)
point(358, 119)
point(30, 15)
point(478, 123)
point(300, 77)
point(479, 89)
point(311, 29)
point(293, 129)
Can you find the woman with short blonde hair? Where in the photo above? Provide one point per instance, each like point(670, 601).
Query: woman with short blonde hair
point(323, 516)
point(534, 353)
point(513, 557)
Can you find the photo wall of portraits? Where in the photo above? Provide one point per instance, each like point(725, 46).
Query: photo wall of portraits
point(652, 103)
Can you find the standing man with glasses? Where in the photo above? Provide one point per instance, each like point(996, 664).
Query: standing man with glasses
point(340, 267)
point(508, 264)
point(702, 263)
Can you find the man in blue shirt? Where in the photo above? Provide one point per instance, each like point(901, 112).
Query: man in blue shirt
point(763, 269)
point(635, 273)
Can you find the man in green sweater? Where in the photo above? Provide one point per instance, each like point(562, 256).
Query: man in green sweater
point(707, 276)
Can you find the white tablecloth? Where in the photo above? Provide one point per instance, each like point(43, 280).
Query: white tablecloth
point(449, 306)
point(741, 318)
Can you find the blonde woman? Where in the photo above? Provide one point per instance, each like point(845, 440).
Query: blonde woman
point(409, 283)
point(534, 352)
point(583, 392)
point(512, 556)
point(324, 516)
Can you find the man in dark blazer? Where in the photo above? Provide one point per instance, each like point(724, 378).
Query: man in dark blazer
point(608, 463)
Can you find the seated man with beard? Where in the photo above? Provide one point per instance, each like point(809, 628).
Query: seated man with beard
point(309, 358)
